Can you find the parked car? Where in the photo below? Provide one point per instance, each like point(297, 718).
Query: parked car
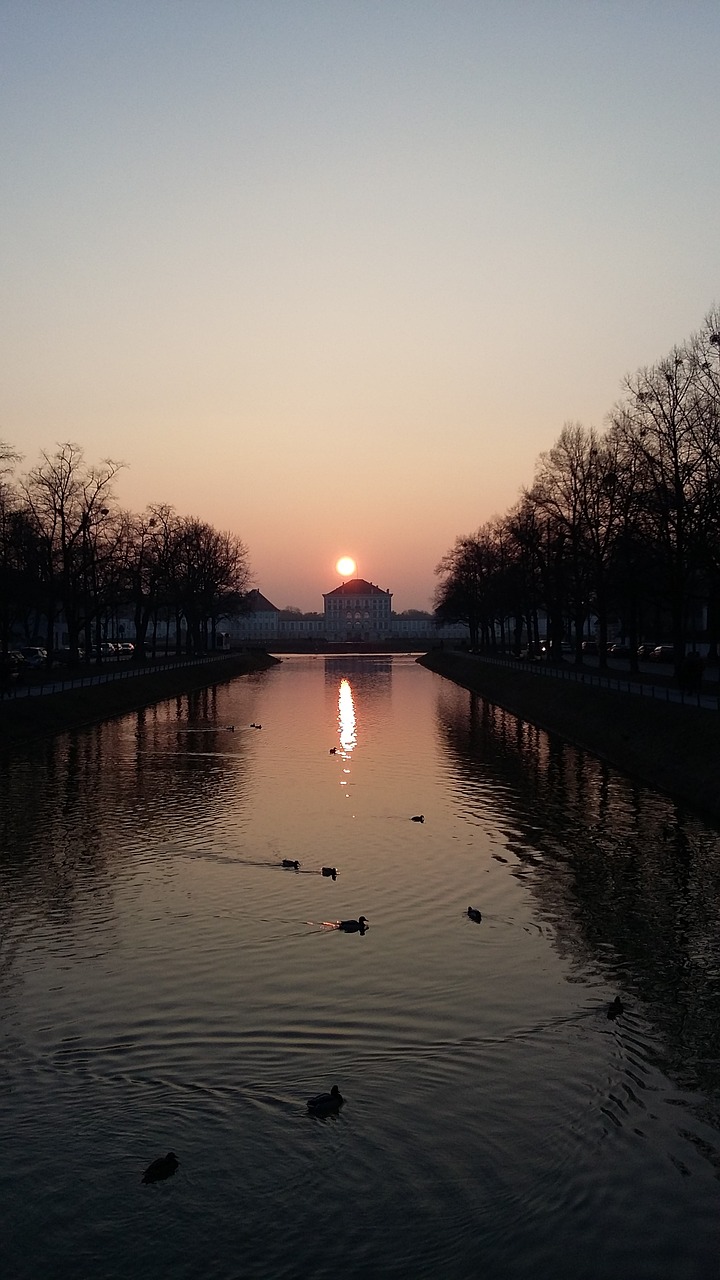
point(64, 653)
point(33, 655)
point(646, 649)
point(12, 665)
point(126, 649)
point(590, 646)
point(106, 650)
point(619, 650)
point(662, 653)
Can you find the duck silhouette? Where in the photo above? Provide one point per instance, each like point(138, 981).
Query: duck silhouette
point(324, 1104)
point(329, 871)
point(353, 926)
point(474, 914)
point(292, 864)
point(418, 817)
point(615, 1009)
point(164, 1167)
point(333, 751)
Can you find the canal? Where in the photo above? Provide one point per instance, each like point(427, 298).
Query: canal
point(166, 984)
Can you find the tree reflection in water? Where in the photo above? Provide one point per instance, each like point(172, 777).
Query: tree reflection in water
point(630, 882)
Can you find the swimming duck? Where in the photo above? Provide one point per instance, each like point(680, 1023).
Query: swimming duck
point(353, 926)
point(418, 817)
point(615, 1009)
point(288, 862)
point(329, 871)
point(164, 1167)
point(324, 1103)
point(474, 914)
point(333, 751)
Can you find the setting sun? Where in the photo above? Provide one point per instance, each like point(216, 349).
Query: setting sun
point(346, 566)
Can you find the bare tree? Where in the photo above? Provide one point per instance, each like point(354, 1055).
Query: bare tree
point(658, 421)
point(68, 503)
point(539, 542)
point(9, 566)
point(210, 574)
point(473, 586)
point(458, 595)
point(562, 494)
point(703, 350)
point(149, 538)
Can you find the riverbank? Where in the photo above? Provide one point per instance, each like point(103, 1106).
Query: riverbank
point(26, 720)
point(673, 748)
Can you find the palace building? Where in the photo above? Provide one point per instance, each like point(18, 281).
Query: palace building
point(358, 610)
point(355, 612)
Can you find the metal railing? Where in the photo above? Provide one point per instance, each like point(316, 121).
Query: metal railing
point(19, 689)
point(638, 688)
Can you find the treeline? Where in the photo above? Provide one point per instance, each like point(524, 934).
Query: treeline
point(69, 553)
point(622, 526)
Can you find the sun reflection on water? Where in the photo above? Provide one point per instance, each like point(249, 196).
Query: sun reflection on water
point(346, 718)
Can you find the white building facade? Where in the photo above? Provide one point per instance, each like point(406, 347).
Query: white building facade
point(259, 621)
point(358, 610)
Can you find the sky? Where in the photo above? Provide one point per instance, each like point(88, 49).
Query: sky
point(331, 274)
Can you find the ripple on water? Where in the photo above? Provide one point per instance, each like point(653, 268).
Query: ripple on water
point(167, 985)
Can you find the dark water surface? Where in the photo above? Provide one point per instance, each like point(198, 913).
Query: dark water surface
point(165, 984)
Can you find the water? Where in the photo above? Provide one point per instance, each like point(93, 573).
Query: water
point(166, 984)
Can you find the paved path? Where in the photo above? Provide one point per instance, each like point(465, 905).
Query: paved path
point(103, 676)
point(618, 682)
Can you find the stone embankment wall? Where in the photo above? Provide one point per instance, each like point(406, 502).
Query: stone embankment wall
point(674, 748)
point(26, 720)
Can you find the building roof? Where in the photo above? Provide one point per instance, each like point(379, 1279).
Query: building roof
point(356, 587)
point(256, 602)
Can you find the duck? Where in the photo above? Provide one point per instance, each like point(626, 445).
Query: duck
point(292, 864)
point(615, 1009)
point(353, 926)
point(333, 751)
point(474, 914)
point(163, 1167)
point(418, 817)
point(324, 1103)
point(329, 871)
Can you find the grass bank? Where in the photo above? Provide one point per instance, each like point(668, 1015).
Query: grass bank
point(26, 720)
point(673, 748)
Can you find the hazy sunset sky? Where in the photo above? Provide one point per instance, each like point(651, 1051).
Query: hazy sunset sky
point(331, 273)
